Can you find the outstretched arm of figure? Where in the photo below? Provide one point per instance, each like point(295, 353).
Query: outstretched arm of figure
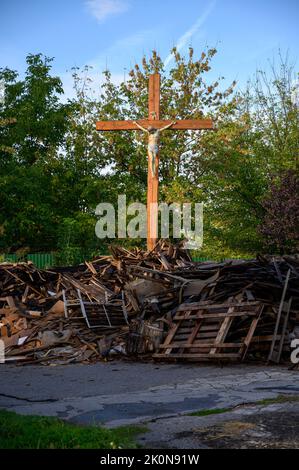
point(168, 126)
point(140, 127)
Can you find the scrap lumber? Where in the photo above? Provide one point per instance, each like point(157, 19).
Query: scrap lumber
point(158, 302)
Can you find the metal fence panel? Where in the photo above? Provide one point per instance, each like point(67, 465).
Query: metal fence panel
point(41, 260)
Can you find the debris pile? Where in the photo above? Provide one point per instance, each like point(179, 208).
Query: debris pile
point(158, 304)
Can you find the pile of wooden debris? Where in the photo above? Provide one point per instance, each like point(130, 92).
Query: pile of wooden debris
point(160, 303)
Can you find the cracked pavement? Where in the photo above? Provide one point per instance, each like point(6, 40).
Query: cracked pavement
point(119, 393)
point(247, 426)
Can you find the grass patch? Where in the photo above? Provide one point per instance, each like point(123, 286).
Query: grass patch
point(278, 399)
point(214, 411)
point(35, 432)
point(265, 401)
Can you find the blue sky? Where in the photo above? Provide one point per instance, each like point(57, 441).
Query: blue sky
point(116, 33)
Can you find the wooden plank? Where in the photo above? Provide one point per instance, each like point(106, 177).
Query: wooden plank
point(285, 288)
point(11, 303)
point(284, 328)
point(201, 344)
point(262, 339)
point(153, 181)
point(209, 334)
point(208, 321)
point(200, 336)
point(248, 339)
point(216, 315)
point(214, 307)
point(152, 203)
point(192, 336)
point(199, 356)
point(154, 97)
point(203, 329)
point(186, 124)
point(220, 338)
point(194, 332)
point(171, 334)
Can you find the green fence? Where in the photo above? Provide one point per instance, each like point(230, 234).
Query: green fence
point(198, 259)
point(48, 260)
point(41, 260)
point(12, 257)
point(217, 260)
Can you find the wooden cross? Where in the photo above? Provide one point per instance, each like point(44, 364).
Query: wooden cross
point(155, 122)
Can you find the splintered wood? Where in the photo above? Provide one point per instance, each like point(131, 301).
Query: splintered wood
point(157, 303)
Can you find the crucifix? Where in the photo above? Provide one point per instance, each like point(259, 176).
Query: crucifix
point(153, 126)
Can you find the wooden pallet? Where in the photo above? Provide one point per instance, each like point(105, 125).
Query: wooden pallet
point(207, 332)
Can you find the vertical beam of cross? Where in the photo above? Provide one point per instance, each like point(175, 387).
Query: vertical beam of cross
point(153, 181)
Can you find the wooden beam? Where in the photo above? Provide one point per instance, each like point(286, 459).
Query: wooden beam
point(154, 97)
point(153, 181)
point(186, 124)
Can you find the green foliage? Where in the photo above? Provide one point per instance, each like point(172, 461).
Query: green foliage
point(38, 121)
point(55, 167)
point(255, 139)
point(33, 432)
point(41, 119)
point(76, 240)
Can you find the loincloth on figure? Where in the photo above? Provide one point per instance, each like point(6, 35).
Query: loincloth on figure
point(153, 149)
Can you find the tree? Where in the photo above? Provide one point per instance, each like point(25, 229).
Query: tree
point(29, 213)
point(254, 141)
point(41, 117)
point(280, 225)
point(3, 124)
point(274, 117)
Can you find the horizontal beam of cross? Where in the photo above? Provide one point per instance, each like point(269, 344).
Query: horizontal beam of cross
point(187, 124)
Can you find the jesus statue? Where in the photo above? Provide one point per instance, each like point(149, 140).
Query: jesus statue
point(153, 142)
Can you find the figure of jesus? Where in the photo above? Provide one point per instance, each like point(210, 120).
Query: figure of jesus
point(153, 142)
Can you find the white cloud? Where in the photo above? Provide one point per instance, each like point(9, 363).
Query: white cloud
point(101, 9)
point(184, 39)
